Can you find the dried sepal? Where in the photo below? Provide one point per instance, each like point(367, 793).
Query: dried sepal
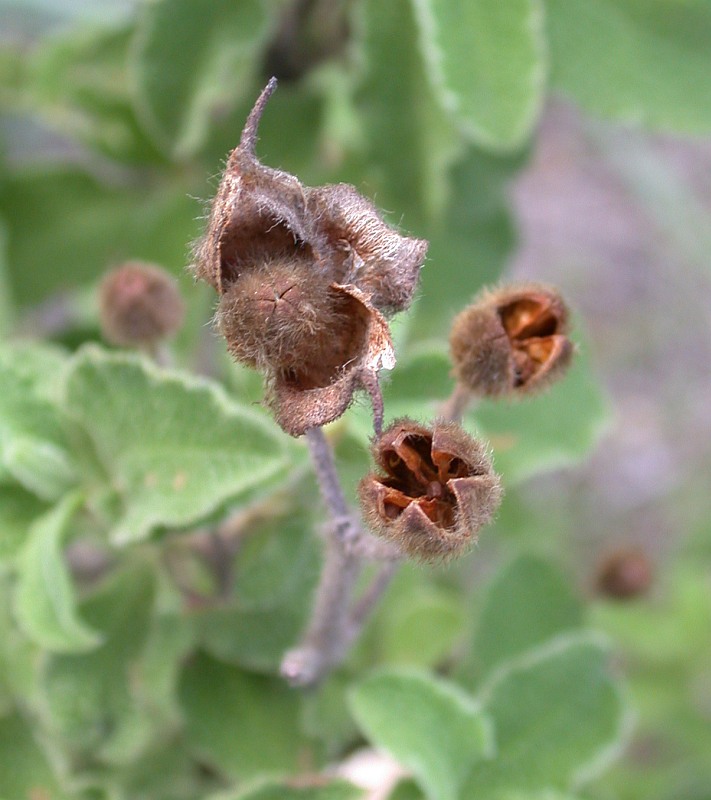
point(511, 341)
point(318, 389)
point(436, 491)
point(139, 305)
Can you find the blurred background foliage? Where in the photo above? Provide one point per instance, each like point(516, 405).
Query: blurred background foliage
point(551, 140)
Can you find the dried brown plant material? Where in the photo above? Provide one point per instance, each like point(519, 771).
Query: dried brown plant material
point(624, 574)
point(511, 341)
point(437, 491)
point(139, 305)
point(306, 277)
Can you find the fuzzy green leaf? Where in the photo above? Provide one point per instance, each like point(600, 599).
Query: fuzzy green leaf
point(25, 770)
point(336, 790)
point(174, 448)
point(18, 509)
point(191, 62)
point(528, 603)
point(45, 604)
point(245, 725)
point(558, 719)
point(635, 60)
point(487, 62)
point(428, 725)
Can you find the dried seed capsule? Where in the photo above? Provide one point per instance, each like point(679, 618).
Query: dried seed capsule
point(438, 489)
point(511, 341)
point(139, 304)
point(624, 574)
point(305, 277)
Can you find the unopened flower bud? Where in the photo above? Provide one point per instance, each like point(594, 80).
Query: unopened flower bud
point(437, 490)
point(511, 341)
point(624, 574)
point(139, 305)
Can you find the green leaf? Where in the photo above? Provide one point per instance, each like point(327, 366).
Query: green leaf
point(93, 704)
point(26, 772)
point(45, 605)
point(529, 602)
point(191, 62)
point(18, 509)
point(639, 61)
point(97, 224)
point(487, 62)
point(558, 719)
point(6, 301)
point(78, 81)
point(34, 444)
point(410, 142)
point(336, 790)
point(245, 725)
point(546, 432)
point(174, 448)
point(428, 725)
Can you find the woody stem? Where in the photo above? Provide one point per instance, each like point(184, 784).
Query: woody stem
point(326, 639)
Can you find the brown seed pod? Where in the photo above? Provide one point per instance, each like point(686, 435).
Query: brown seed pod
point(624, 574)
point(511, 341)
point(139, 304)
point(438, 489)
point(305, 277)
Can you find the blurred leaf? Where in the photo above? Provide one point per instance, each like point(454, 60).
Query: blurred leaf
point(245, 725)
point(174, 448)
point(66, 228)
point(469, 244)
point(409, 140)
point(90, 702)
point(428, 725)
point(7, 310)
point(529, 602)
point(45, 604)
point(39, 363)
point(34, 443)
point(635, 60)
point(546, 432)
point(406, 790)
point(487, 63)
point(557, 717)
point(78, 81)
point(191, 62)
point(18, 509)
point(25, 770)
point(423, 629)
point(335, 790)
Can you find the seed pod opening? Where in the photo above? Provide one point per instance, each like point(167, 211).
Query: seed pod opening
point(437, 489)
point(512, 341)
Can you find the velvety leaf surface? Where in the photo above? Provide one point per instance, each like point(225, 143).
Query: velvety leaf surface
point(45, 603)
point(487, 62)
point(191, 61)
point(245, 725)
point(18, 509)
point(172, 447)
point(428, 725)
point(528, 603)
point(91, 703)
point(634, 60)
point(557, 717)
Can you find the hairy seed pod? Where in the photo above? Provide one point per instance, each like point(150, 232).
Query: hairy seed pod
point(306, 277)
point(139, 305)
point(624, 574)
point(437, 490)
point(511, 341)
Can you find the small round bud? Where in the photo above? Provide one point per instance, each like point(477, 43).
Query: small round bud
point(624, 575)
point(438, 489)
point(512, 341)
point(139, 304)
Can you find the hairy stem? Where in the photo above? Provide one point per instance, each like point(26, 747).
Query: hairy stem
point(457, 404)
